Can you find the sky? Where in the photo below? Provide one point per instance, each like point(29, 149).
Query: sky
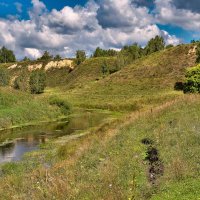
point(29, 27)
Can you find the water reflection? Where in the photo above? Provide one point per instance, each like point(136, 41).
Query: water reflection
point(29, 138)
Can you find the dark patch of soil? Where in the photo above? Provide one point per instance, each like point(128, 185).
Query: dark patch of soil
point(156, 167)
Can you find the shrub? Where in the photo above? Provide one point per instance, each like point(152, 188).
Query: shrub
point(80, 57)
point(192, 83)
point(4, 77)
point(21, 82)
point(37, 82)
point(62, 104)
point(104, 68)
point(179, 86)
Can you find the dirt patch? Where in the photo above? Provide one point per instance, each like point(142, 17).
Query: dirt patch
point(156, 167)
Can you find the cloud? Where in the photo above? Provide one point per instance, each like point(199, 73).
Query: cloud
point(168, 13)
point(105, 23)
point(192, 5)
point(123, 13)
point(18, 7)
point(32, 53)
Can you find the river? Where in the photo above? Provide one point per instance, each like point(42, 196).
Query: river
point(16, 142)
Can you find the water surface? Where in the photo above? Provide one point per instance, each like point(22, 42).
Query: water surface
point(16, 142)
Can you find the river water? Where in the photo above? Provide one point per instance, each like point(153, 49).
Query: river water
point(16, 142)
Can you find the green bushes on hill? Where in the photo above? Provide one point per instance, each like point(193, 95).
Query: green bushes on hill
point(4, 77)
point(21, 82)
point(62, 104)
point(80, 57)
point(6, 55)
point(192, 83)
point(37, 82)
point(104, 53)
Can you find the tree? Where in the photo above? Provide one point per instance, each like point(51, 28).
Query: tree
point(154, 45)
point(128, 54)
point(57, 57)
point(198, 53)
point(192, 83)
point(104, 53)
point(6, 55)
point(104, 68)
point(37, 82)
point(46, 56)
point(26, 59)
point(4, 77)
point(80, 56)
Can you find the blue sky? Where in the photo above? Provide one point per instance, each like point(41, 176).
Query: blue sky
point(30, 27)
point(8, 7)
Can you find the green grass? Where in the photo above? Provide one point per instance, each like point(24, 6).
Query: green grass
point(146, 82)
point(114, 167)
point(19, 108)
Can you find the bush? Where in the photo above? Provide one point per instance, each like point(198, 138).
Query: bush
point(21, 82)
point(192, 83)
point(4, 77)
point(37, 82)
point(80, 57)
point(62, 104)
point(179, 86)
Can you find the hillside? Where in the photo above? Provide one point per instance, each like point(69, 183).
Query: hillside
point(56, 70)
point(148, 80)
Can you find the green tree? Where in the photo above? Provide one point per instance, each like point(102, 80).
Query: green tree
point(104, 68)
point(46, 56)
point(4, 77)
point(128, 54)
point(6, 55)
point(26, 59)
point(80, 56)
point(104, 53)
point(57, 57)
point(37, 82)
point(154, 45)
point(192, 83)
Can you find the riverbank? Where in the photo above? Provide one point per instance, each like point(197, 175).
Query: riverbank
point(22, 109)
point(110, 161)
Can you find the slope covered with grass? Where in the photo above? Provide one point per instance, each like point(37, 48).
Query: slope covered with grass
point(87, 72)
point(19, 108)
point(112, 164)
point(148, 80)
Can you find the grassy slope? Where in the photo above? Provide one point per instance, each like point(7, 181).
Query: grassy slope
point(111, 165)
point(88, 72)
point(18, 108)
point(149, 80)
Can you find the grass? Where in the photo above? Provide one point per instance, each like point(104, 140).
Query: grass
point(146, 82)
point(113, 167)
point(19, 108)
